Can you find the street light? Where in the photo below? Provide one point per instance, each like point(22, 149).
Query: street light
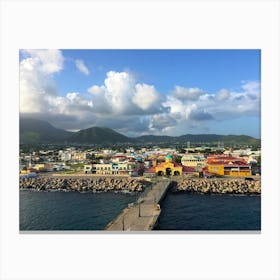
point(123, 222)
point(139, 202)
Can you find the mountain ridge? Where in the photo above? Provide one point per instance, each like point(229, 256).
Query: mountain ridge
point(33, 131)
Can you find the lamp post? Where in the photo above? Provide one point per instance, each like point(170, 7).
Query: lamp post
point(139, 202)
point(123, 222)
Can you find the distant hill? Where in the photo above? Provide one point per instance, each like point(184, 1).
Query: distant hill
point(98, 135)
point(34, 131)
point(200, 138)
point(226, 139)
point(155, 139)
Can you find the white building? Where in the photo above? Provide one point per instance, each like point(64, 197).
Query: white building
point(194, 160)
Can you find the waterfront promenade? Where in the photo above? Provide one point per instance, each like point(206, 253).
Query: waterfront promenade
point(143, 214)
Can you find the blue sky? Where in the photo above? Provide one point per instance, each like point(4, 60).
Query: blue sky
point(136, 92)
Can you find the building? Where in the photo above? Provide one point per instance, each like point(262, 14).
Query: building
point(119, 158)
point(194, 160)
point(227, 165)
point(79, 156)
point(123, 168)
point(65, 156)
point(168, 167)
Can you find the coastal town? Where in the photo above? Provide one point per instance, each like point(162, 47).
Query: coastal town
point(200, 161)
point(129, 169)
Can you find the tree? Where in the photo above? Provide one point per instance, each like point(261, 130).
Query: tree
point(178, 159)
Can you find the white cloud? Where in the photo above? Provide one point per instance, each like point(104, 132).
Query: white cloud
point(123, 104)
point(162, 122)
point(118, 91)
point(121, 95)
point(145, 96)
point(222, 95)
point(44, 61)
point(81, 66)
point(187, 93)
point(175, 105)
point(36, 83)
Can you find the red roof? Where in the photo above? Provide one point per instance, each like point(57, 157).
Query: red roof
point(229, 163)
point(151, 170)
point(225, 160)
point(188, 169)
point(119, 156)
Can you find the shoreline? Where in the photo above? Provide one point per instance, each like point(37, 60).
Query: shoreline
point(94, 185)
point(81, 192)
point(133, 185)
point(221, 186)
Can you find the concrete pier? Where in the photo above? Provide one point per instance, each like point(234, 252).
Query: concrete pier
point(143, 214)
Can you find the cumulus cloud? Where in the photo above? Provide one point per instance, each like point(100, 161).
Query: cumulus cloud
point(252, 89)
point(187, 93)
point(118, 102)
point(36, 83)
point(43, 61)
point(222, 95)
point(124, 104)
point(204, 109)
point(162, 122)
point(145, 96)
point(200, 115)
point(121, 95)
point(81, 66)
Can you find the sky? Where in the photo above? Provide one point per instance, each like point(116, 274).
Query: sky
point(139, 92)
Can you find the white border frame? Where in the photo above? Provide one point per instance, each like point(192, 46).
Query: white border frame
point(140, 24)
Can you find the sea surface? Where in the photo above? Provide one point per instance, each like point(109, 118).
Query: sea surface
point(188, 211)
point(70, 210)
point(180, 211)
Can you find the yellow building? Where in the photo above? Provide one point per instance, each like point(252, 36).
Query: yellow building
point(228, 165)
point(23, 171)
point(230, 169)
point(168, 167)
point(40, 166)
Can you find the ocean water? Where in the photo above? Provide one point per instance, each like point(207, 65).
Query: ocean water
point(187, 211)
point(180, 211)
point(70, 210)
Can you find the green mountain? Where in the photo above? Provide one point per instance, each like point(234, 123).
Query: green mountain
point(98, 135)
point(200, 138)
point(214, 138)
point(34, 131)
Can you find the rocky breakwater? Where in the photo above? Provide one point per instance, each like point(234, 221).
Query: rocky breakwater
point(83, 184)
point(222, 186)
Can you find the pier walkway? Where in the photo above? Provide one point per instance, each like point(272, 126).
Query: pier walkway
point(143, 214)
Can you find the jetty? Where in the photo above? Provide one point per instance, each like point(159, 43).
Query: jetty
point(144, 213)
